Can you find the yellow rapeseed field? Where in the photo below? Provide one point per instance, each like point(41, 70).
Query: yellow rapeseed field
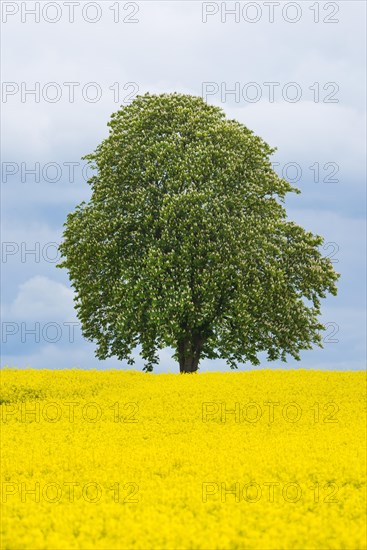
point(238, 460)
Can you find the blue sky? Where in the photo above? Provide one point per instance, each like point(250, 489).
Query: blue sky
point(292, 74)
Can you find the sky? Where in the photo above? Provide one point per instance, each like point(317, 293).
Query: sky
point(293, 72)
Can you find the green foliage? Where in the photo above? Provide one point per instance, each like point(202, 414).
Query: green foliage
point(185, 242)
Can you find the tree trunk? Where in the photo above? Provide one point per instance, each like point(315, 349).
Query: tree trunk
point(189, 350)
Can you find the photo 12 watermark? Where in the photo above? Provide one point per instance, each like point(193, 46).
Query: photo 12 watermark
point(122, 93)
point(270, 91)
point(54, 492)
point(270, 12)
point(46, 172)
point(51, 412)
point(71, 12)
point(73, 171)
point(36, 332)
point(270, 491)
point(318, 171)
point(26, 252)
point(269, 412)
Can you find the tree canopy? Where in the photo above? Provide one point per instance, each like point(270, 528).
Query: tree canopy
point(185, 242)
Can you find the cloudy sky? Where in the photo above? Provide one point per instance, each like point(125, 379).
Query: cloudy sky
point(291, 71)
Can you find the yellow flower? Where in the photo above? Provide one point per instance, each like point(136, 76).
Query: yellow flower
point(126, 460)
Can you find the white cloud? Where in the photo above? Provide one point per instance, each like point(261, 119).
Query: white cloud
point(309, 132)
point(41, 298)
point(28, 232)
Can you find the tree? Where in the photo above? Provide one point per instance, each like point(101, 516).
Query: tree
point(185, 242)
